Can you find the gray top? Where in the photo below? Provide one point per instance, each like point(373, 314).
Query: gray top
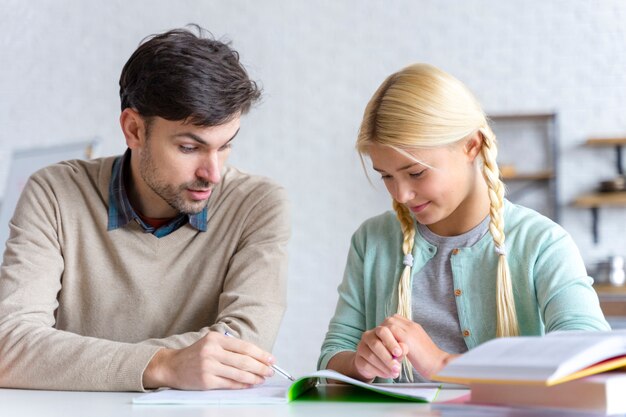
point(433, 300)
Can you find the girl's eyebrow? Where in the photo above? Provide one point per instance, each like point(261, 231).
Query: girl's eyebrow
point(399, 169)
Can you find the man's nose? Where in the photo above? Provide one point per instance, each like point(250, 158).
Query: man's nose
point(210, 169)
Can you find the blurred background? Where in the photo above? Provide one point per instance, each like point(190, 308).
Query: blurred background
point(552, 74)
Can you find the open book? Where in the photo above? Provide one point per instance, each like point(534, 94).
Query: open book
point(285, 392)
point(547, 360)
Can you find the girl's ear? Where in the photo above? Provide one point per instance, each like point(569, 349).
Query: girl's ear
point(473, 145)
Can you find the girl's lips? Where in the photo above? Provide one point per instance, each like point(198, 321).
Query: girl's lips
point(199, 194)
point(421, 207)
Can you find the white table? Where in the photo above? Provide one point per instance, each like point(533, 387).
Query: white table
point(32, 403)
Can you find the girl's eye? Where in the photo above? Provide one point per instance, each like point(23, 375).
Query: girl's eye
point(385, 177)
point(417, 174)
point(187, 148)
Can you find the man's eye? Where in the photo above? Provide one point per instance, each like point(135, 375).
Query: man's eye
point(385, 177)
point(187, 148)
point(226, 146)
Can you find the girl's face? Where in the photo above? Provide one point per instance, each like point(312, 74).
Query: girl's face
point(444, 190)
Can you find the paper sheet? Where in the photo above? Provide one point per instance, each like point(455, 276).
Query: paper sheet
point(274, 393)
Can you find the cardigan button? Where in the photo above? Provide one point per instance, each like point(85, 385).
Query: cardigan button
point(457, 292)
point(455, 251)
point(466, 333)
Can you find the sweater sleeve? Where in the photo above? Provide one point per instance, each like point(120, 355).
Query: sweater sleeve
point(33, 354)
point(253, 298)
point(566, 298)
point(348, 323)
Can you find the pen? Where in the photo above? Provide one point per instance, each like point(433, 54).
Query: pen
point(278, 369)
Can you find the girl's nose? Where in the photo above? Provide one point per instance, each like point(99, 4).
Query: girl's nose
point(404, 193)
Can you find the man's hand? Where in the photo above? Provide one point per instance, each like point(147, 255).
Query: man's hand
point(215, 361)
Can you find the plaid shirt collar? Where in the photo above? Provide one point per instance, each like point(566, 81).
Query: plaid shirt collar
point(121, 212)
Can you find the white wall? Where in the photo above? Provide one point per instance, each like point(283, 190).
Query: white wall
point(319, 62)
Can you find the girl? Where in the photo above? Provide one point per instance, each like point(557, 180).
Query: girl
point(440, 262)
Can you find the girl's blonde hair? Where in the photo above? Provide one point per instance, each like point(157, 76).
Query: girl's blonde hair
point(422, 106)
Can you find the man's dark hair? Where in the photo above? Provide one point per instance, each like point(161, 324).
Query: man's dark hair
point(179, 75)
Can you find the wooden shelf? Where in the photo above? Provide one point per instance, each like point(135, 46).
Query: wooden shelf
point(593, 200)
point(529, 176)
point(606, 141)
point(611, 199)
point(541, 127)
point(610, 289)
point(612, 299)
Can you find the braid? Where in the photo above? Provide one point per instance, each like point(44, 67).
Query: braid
point(404, 285)
point(506, 323)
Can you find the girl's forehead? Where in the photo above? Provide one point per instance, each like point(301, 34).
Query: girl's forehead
point(396, 159)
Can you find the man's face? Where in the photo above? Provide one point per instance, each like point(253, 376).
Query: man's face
point(178, 164)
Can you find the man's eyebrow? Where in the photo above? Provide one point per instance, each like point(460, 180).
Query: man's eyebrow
point(399, 169)
point(198, 139)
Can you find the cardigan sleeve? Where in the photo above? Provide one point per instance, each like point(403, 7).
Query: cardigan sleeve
point(565, 295)
point(349, 321)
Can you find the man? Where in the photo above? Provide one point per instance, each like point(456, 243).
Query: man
point(124, 273)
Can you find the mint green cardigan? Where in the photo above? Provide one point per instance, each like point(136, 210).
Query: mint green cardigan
point(550, 284)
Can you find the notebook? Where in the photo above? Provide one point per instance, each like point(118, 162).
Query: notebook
point(284, 392)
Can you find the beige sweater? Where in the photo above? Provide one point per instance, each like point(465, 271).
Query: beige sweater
point(86, 309)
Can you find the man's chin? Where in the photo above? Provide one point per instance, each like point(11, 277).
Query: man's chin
point(194, 207)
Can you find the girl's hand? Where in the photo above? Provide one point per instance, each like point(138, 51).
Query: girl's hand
point(423, 353)
point(379, 354)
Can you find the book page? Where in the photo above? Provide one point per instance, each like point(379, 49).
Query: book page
point(531, 359)
point(413, 392)
point(586, 333)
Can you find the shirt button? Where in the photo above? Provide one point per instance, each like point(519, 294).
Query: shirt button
point(466, 333)
point(455, 251)
point(457, 292)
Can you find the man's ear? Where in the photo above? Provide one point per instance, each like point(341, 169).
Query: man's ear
point(473, 145)
point(133, 127)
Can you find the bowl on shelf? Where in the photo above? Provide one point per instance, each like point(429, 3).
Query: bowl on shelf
point(614, 185)
point(610, 271)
